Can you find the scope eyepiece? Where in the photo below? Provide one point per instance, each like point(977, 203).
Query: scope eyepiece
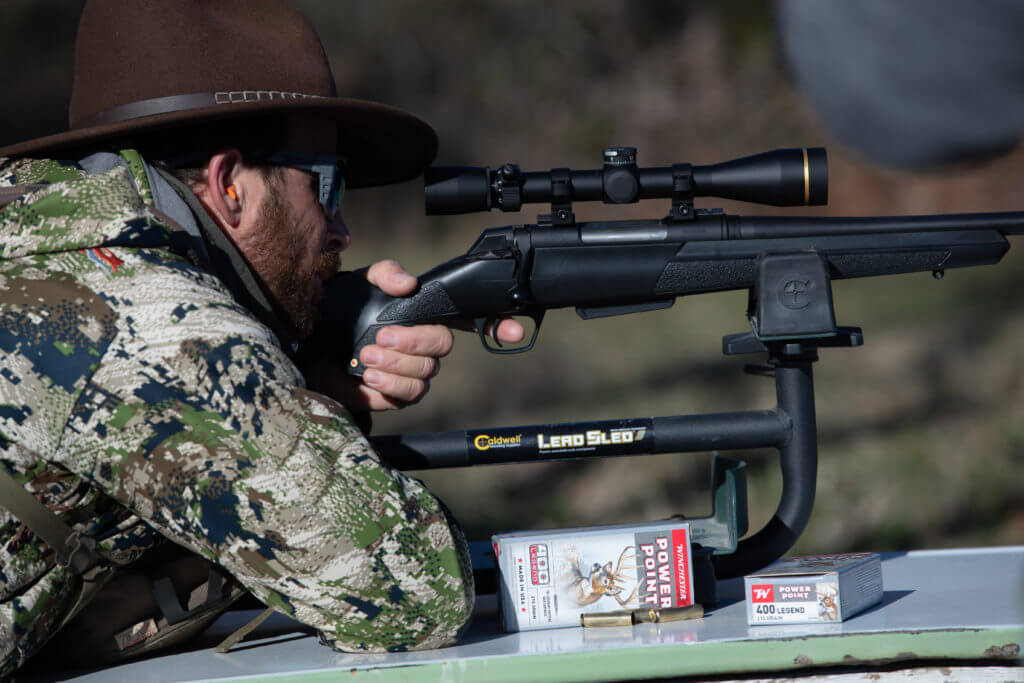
point(784, 177)
point(456, 189)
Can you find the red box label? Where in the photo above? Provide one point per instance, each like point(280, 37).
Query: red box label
point(681, 550)
point(762, 592)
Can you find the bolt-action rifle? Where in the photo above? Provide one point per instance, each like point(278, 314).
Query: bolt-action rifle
point(615, 268)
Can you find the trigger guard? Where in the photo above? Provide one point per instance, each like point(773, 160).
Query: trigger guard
point(481, 326)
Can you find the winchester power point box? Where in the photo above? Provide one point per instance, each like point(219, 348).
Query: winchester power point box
point(813, 589)
point(547, 579)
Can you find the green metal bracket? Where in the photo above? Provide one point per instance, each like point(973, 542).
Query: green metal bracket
point(721, 532)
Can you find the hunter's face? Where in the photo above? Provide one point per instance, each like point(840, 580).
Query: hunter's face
point(296, 246)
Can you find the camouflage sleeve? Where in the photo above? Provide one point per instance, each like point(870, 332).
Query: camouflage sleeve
point(196, 421)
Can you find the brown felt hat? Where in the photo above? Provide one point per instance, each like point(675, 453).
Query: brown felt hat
point(150, 66)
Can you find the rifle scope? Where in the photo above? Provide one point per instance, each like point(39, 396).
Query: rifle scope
point(783, 177)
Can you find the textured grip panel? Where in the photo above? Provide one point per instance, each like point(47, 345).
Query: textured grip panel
point(688, 277)
point(430, 303)
point(852, 265)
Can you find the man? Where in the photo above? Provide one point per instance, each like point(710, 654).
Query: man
point(152, 305)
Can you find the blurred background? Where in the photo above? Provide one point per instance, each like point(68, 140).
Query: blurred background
point(921, 431)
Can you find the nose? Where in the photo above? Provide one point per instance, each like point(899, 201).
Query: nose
point(338, 236)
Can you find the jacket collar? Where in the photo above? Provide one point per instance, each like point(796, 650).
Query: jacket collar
point(179, 206)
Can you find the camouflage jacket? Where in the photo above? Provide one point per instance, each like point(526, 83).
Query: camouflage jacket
point(138, 397)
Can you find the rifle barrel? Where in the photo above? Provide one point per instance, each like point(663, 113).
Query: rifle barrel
point(766, 227)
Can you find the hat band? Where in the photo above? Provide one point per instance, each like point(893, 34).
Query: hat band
point(173, 103)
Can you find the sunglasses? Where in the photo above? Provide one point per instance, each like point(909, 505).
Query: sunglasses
point(329, 170)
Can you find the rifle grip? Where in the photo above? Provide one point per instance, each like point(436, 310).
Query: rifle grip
point(355, 366)
point(353, 311)
point(342, 329)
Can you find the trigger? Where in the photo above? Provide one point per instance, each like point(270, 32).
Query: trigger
point(481, 329)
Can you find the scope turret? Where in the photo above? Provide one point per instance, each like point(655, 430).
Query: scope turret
point(784, 177)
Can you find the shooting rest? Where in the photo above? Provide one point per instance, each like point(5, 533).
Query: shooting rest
point(787, 284)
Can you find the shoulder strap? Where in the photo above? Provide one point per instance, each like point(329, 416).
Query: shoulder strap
point(10, 194)
point(75, 551)
point(239, 635)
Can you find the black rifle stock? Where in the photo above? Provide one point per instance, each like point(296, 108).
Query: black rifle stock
point(615, 268)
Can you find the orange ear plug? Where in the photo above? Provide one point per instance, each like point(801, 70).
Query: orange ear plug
point(232, 192)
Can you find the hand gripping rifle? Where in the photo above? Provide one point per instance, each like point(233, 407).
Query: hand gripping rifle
point(615, 268)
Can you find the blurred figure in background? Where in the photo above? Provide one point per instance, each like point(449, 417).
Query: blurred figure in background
point(911, 84)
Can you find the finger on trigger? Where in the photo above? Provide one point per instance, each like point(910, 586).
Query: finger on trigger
point(509, 330)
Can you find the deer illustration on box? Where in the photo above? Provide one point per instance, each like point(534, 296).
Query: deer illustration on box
point(585, 587)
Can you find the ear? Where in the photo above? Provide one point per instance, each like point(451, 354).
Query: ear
point(222, 192)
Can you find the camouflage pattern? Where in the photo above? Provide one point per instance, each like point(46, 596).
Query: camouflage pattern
point(139, 400)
